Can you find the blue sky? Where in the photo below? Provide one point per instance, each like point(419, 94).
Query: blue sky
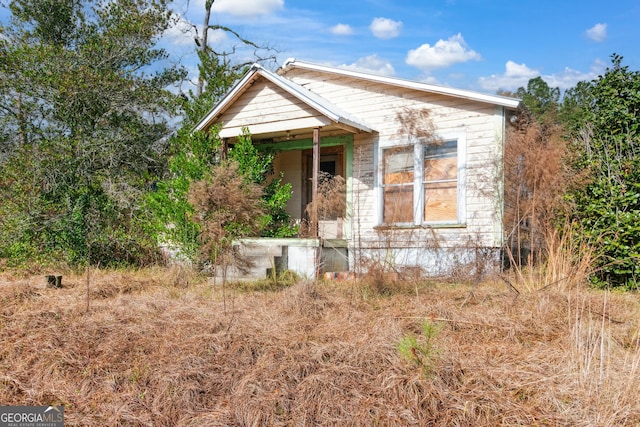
point(470, 44)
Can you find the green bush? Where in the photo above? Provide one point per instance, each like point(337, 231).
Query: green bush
point(603, 117)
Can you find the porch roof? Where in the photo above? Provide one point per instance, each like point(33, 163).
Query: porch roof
point(331, 115)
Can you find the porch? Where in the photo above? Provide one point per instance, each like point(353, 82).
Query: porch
point(306, 257)
point(313, 141)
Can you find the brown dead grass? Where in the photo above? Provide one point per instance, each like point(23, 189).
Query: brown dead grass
point(157, 348)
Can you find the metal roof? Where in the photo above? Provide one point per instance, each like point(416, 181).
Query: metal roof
point(425, 87)
point(315, 101)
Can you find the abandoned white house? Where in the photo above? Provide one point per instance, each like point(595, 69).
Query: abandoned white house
point(421, 163)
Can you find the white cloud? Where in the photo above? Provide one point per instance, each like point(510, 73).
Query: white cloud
point(443, 54)
point(597, 33)
point(431, 80)
point(569, 77)
point(342, 30)
point(514, 70)
point(372, 64)
point(181, 33)
point(247, 8)
point(515, 76)
point(518, 75)
point(384, 28)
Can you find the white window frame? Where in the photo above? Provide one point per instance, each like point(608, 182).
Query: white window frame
point(418, 184)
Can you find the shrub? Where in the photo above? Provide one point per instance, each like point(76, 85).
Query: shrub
point(421, 352)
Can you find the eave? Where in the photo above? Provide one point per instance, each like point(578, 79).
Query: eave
point(331, 115)
point(503, 101)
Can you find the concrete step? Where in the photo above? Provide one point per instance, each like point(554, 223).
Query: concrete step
point(260, 250)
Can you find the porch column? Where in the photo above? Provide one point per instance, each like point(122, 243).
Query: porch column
point(225, 148)
point(314, 182)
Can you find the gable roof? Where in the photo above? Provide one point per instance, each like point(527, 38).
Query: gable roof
point(425, 87)
point(309, 98)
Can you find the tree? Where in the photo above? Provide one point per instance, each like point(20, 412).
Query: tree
point(196, 168)
point(604, 119)
point(192, 157)
point(541, 100)
point(227, 206)
point(219, 66)
point(535, 178)
point(177, 200)
point(257, 167)
point(84, 115)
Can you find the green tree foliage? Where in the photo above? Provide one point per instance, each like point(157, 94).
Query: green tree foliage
point(257, 167)
point(541, 101)
point(599, 173)
point(421, 351)
point(574, 111)
point(603, 119)
point(83, 111)
point(185, 201)
point(219, 74)
point(193, 155)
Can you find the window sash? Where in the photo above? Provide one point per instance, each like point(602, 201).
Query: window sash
point(425, 190)
point(398, 204)
point(440, 182)
point(398, 182)
point(441, 201)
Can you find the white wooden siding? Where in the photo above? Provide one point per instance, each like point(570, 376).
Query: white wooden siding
point(378, 105)
point(263, 107)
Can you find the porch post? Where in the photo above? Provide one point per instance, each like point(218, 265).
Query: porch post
point(225, 148)
point(314, 182)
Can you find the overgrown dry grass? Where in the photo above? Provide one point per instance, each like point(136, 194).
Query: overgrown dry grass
point(157, 348)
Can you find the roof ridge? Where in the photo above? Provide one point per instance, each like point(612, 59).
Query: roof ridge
point(397, 81)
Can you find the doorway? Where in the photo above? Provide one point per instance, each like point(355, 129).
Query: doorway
point(331, 165)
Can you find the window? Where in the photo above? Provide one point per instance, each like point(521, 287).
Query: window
point(440, 182)
point(421, 184)
point(398, 185)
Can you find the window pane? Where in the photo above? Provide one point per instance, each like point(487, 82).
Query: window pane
point(440, 169)
point(398, 166)
point(441, 161)
point(441, 201)
point(441, 150)
point(398, 204)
